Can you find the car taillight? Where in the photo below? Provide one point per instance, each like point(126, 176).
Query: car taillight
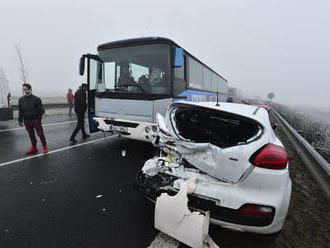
point(271, 157)
point(256, 210)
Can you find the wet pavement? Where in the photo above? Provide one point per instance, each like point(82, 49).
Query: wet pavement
point(79, 197)
point(82, 196)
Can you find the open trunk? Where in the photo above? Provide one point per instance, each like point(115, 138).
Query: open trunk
point(216, 142)
point(222, 129)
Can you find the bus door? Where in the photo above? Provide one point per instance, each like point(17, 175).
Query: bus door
point(94, 76)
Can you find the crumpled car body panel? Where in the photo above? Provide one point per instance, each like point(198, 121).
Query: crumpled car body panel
point(226, 180)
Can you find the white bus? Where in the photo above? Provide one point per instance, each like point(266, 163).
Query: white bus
point(130, 81)
point(6, 113)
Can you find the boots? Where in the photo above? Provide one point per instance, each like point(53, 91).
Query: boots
point(45, 149)
point(32, 150)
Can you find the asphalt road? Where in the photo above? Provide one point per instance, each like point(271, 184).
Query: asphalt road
point(82, 196)
point(79, 197)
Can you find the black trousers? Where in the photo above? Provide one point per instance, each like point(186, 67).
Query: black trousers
point(80, 125)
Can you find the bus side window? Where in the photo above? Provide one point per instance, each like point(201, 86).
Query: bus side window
point(179, 82)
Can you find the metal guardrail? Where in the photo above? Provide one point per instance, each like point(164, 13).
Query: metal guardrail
point(318, 167)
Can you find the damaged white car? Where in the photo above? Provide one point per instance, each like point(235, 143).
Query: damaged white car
point(241, 167)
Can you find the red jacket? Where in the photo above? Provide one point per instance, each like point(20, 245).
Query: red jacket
point(69, 96)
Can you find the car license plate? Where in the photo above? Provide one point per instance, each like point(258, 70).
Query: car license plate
point(118, 128)
point(122, 129)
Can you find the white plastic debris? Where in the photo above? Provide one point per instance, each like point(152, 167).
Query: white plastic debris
point(150, 168)
point(47, 182)
point(123, 153)
point(99, 196)
point(173, 217)
point(162, 240)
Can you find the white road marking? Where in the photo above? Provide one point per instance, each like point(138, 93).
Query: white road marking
point(164, 241)
point(44, 125)
point(50, 152)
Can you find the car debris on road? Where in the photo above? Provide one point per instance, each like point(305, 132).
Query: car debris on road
point(240, 166)
point(173, 217)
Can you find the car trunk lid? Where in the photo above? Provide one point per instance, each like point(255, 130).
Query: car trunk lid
point(215, 141)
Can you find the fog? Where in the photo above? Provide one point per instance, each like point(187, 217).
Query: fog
point(258, 46)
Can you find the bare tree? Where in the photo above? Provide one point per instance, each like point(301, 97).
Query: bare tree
point(22, 68)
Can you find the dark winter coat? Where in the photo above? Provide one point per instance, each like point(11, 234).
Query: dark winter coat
point(80, 101)
point(30, 109)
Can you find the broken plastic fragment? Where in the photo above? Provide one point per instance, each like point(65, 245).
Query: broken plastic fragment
point(163, 240)
point(48, 182)
point(173, 217)
point(162, 123)
point(150, 168)
point(123, 153)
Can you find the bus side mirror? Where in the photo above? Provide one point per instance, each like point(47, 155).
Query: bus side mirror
point(178, 62)
point(82, 65)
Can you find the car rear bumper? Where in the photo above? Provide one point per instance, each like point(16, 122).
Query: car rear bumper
point(227, 217)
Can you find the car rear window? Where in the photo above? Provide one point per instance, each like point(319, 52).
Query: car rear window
point(203, 125)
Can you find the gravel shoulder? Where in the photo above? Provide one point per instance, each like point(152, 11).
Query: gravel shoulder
point(308, 220)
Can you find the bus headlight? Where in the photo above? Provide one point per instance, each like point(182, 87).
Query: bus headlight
point(147, 129)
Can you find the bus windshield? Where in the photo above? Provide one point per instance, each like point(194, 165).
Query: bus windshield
point(141, 69)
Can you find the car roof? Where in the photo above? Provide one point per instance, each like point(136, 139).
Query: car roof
point(250, 111)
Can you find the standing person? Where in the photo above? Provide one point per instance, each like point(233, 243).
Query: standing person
point(9, 99)
point(30, 113)
point(80, 109)
point(70, 97)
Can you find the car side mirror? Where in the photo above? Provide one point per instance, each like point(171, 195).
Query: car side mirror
point(82, 65)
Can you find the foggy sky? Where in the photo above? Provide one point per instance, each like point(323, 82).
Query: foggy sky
point(259, 46)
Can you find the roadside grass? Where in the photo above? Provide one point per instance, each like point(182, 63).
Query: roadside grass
point(315, 131)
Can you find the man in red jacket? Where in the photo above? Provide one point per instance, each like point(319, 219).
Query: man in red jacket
point(30, 113)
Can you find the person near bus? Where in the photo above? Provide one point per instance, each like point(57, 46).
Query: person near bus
point(70, 97)
point(125, 78)
point(9, 99)
point(80, 107)
point(30, 115)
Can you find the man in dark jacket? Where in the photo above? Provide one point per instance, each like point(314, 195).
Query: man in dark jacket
point(30, 113)
point(80, 109)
